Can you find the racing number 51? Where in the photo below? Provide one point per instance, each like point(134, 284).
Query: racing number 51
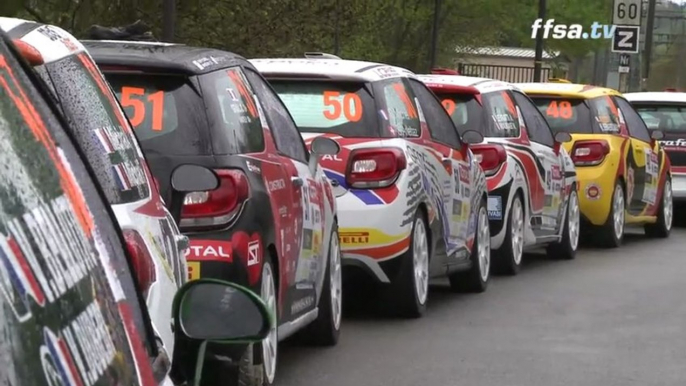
point(129, 98)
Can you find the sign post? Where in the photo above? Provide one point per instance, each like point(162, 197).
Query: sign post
point(626, 12)
point(626, 18)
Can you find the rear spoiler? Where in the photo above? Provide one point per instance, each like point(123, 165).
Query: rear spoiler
point(320, 55)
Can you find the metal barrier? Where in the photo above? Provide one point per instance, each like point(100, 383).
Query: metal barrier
point(510, 74)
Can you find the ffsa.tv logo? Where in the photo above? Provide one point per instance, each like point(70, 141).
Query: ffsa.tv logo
point(572, 31)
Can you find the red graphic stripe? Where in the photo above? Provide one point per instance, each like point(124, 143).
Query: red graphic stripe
point(536, 189)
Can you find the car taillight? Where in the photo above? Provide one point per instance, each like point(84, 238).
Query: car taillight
point(141, 260)
point(589, 153)
point(490, 157)
point(219, 206)
point(374, 168)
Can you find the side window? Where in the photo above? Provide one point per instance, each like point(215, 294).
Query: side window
point(232, 112)
point(501, 115)
point(399, 111)
point(286, 135)
point(605, 115)
point(536, 125)
point(441, 126)
point(636, 125)
point(100, 127)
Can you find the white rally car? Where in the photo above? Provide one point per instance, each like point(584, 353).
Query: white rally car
point(666, 111)
point(99, 126)
point(532, 190)
point(411, 197)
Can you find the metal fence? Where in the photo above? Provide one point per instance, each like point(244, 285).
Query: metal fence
point(510, 74)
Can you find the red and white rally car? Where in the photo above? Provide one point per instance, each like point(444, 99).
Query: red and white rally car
point(411, 197)
point(532, 195)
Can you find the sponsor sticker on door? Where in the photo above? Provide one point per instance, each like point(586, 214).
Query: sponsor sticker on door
point(495, 208)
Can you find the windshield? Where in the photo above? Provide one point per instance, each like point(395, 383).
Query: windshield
point(100, 127)
point(465, 111)
point(565, 114)
point(164, 111)
point(665, 117)
point(343, 108)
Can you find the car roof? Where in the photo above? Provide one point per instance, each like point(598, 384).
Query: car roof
point(334, 69)
point(670, 97)
point(52, 42)
point(161, 56)
point(584, 91)
point(465, 83)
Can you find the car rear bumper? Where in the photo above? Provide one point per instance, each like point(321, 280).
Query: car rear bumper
point(679, 186)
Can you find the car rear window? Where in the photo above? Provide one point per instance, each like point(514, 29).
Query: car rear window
point(236, 127)
point(164, 110)
point(465, 111)
point(99, 127)
point(669, 117)
point(343, 108)
point(502, 120)
point(571, 115)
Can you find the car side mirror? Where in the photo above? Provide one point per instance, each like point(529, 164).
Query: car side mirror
point(563, 137)
point(209, 310)
point(322, 146)
point(657, 135)
point(472, 137)
point(189, 178)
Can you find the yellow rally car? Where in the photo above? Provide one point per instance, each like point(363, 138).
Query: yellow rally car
point(623, 172)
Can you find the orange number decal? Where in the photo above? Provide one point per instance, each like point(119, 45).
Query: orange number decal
point(331, 101)
point(156, 99)
point(449, 106)
point(351, 107)
point(400, 89)
point(565, 110)
point(128, 100)
point(243, 90)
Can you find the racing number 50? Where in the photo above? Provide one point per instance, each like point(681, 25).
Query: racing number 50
point(129, 98)
point(351, 107)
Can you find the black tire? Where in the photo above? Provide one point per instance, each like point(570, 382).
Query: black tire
point(259, 347)
point(605, 235)
point(473, 280)
point(402, 295)
point(325, 330)
point(663, 226)
point(567, 247)
point(505, 259)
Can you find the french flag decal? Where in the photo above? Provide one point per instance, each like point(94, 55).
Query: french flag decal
point(104, 140)
point(122, 178)
point(62, 359)
point(19, 271)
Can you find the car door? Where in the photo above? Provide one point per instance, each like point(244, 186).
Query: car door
point(307, 187)
point(542, 144)
point(455, 175)
point(644, 161)
point(60, 247)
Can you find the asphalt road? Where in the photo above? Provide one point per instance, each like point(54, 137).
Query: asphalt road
point(610, 317)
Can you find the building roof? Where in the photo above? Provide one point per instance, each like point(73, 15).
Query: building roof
point(509, 52)
point(338, 69)
point(566, 89)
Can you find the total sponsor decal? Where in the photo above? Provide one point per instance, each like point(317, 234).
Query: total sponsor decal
point(329, 157)
point(209, 250)
point(244, 248)
point(593, 192)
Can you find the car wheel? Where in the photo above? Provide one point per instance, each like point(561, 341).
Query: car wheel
point(325, 330)
point(611, 234)
point(410, 291)
point(269, 345)
point(476, 279)
point(509, 257)
point(566, 248)
point(665, 215)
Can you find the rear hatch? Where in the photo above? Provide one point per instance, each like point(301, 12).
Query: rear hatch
point(355, 114)
point(670, 118)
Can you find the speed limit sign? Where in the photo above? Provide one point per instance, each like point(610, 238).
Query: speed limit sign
point(626, 12)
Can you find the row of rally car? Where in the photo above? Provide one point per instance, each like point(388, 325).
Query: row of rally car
point(336, 170)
